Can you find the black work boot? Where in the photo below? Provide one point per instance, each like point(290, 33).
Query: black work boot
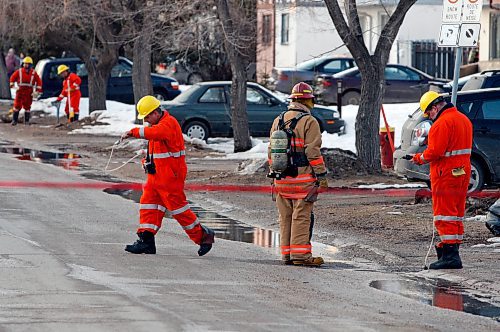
point(75, 118)
point(144, 245)
point(206, 241)
point(27, 118)
point(439, 251)
point(15, 118)
point(449, 260)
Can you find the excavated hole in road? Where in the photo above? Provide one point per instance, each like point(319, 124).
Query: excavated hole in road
point(66, 160)
point(440, 293)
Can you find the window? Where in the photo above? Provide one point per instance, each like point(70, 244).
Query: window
point(285, 19)
point(392, 73)
point(81, 70)
point(254, 97)
point(121, 70)
point(465, 107)
point(335, 66)
point(491, 109)
point(495, 35)
point(266, 29)
point(53, 73)
point(213, 95)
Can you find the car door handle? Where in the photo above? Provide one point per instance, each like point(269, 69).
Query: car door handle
point(483, 130)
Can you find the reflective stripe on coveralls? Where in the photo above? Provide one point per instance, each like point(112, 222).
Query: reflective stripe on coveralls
point(152, 207)
point(458, 152)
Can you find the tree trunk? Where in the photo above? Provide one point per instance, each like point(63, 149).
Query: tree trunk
point(141, 71)
point(4, 83)
point(239, 117)
point(99, 73)
point(368, 118)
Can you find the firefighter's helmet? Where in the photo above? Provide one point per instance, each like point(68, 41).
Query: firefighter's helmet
point(28, 60)
point(146, 105)
point(302, 90)
point(429, 99)
point(61, 69)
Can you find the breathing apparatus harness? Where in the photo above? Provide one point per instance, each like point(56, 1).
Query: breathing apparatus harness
point(285, 160)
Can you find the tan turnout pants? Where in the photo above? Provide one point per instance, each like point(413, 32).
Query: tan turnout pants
point(295, 228)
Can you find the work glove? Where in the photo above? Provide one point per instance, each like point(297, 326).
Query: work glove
point(55, 103)
point(35, 95)
point(323, 183)
point(417, 159)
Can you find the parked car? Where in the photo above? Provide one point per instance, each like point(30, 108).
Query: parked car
point(284, 78)
point(120, 86)
point(485, 79)
point(482, 107)
point(403, 84)
point(203, 111)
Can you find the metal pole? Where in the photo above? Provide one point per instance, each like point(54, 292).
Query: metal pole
point(456, 74)
point(339, 97)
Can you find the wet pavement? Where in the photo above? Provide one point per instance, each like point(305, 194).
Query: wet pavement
point(442, 294)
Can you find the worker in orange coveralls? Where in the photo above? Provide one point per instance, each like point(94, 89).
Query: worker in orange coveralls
point(297, 187)
point(71, 90)
point(448, 152)
point(30, 86)
point(166, 170)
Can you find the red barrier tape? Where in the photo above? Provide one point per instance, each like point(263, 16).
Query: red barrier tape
point(403, 192)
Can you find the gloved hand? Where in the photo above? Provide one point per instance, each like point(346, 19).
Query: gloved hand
point(323, 182)
point(35, 95)
point(126, 135)
point(55, 103)
point(417, 159)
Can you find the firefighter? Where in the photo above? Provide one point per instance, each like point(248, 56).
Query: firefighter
point(30, 86)
point(166, 169)
point(448, 152)
point(296, 189)
point(71, 90)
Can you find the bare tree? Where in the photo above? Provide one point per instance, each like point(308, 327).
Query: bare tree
point(238, 37)
point(371, 68)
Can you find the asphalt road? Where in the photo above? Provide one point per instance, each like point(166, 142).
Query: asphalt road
point(63, 268)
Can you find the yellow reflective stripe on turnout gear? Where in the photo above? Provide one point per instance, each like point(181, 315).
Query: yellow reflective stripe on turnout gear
point(448, 218)
point(152, 207)
point(191, 226)
point(457, 152)
point(169, 154)
point(180, 210)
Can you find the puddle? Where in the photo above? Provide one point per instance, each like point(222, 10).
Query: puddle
point(442, 294)
point(65, 160)
point(224, 227)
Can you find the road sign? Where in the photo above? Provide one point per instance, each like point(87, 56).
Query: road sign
point(469, 34)
point(449, 35)
point(471, 12)
point(452, 11)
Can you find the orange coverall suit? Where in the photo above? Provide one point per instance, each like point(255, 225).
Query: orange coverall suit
point(294, 211)
point(71, 90)
point(165, 189)
point(448, 152)
point(28, 81)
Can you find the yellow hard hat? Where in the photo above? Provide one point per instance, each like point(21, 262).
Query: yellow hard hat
point(28, 60)
point(61, 69)
point(146, 105)
point(429, 99)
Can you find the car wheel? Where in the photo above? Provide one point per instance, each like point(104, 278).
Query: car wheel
point(476, 181)
point(194, 78)
point(351, 98)
point(160, 95)
point(196, 129)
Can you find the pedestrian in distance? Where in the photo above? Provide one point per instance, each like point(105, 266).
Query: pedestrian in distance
point(12, 62)
point(70, 90)
point(298, 169)
point(448, 152)
point(29, 86)
point(165, 166)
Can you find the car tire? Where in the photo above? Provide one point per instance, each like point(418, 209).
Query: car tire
point(351, 98)
point(161, 95)
point(194, 78)
point(477, 176)
point(196, 129)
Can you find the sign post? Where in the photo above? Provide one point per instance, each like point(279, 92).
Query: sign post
point(460, 27)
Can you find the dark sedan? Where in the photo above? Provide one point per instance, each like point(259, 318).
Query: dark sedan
point(203, 111)
point(284, 78)
point(403, 84)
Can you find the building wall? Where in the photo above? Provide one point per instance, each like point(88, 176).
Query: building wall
point(265, 52)
point(286, 53)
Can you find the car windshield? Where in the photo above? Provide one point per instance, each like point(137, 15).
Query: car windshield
point(280, 97)
point(309, 64)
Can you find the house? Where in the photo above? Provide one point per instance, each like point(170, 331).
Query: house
point(303, 30)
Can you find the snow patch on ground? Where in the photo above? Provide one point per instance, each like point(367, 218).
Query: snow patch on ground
point(386, 186)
